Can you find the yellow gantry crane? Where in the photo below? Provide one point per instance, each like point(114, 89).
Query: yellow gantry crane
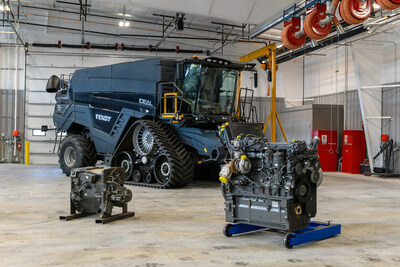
point(268, 51)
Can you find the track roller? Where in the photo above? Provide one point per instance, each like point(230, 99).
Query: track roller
point(355, 11)
point(312, 23)
point(126, 160)
point(289, 38)
point(388, 4)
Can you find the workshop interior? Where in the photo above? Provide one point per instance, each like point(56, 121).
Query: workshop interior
point(214, 132)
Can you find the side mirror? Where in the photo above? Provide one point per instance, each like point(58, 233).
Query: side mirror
point(255, 78)
point(180, 71)
point(53, 84)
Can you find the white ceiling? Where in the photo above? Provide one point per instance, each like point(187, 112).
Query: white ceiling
point(198, 14)
point(250, 11)
point(239, 11)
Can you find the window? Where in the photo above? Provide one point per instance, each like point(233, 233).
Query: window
point(38, 132)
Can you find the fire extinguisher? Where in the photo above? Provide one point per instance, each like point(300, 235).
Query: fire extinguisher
point(17, 141)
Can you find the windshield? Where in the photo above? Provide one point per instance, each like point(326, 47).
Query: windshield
point(209, 90)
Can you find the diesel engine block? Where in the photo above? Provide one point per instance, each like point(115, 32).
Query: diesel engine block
point(271, 184)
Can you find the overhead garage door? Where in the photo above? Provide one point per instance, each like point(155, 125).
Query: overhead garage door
point(40, 104)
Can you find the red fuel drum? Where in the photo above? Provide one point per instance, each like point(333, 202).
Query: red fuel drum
point(353, 151)
point(327, 149)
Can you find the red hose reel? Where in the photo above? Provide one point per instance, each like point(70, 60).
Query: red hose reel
point(355, 11)
point(289, 39)
point(317, 27)
point(388, 4)
point(312, 23)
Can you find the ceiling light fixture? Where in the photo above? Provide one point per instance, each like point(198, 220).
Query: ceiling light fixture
point(123, 22)
point(4, 8)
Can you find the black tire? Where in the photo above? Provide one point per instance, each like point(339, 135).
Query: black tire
point(226, 230)
point(76, 151)
point(286, 241)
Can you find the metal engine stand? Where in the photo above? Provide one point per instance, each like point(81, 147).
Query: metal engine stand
point(313, 232)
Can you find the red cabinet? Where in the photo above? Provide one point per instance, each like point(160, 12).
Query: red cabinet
point(353, 151)
point(327, 149)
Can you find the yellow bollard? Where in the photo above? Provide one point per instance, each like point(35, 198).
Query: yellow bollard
point(27, 153)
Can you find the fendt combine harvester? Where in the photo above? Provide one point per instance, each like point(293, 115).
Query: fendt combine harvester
point(157, 118)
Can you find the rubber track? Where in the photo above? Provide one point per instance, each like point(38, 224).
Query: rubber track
point(179, 158)
point(187, 161)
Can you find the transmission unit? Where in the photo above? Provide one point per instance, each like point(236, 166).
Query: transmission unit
point(96, 191)
point(271, 184)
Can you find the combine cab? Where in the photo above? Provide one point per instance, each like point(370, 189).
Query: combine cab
point(157, 118)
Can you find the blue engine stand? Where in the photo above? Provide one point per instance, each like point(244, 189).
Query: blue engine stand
point(315, 231)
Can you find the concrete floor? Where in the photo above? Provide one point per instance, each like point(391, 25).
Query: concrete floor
point(184, 227)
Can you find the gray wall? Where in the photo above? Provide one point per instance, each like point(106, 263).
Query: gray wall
point(391, 100)
point(350, 101)
point(352, 111)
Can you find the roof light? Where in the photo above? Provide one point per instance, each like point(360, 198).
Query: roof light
point(123, 23)
point(4, 8)
point(226, 63)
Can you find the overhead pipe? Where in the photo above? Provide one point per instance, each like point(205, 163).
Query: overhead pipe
point(301, 32)
point(112, 47)
point(139, 35)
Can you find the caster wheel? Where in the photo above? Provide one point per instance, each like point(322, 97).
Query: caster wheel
point(286, 241)
point(226, 230)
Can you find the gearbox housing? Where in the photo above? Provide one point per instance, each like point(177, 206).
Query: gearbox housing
point(97, 190)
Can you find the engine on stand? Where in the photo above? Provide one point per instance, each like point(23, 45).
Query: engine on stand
point(270, 184)
point(97, 190)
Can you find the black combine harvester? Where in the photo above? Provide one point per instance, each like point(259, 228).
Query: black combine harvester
point(157, 118)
